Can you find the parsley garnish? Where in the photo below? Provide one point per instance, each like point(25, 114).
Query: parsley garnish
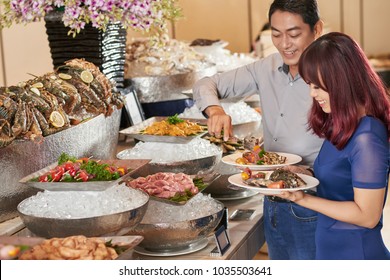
point(174, 119)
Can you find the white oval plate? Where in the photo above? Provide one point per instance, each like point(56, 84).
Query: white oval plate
point(231, 160)
point(310, 181)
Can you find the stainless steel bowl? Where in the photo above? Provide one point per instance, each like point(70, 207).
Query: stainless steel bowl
point(165, 88)
point(177, 235)
point(111, 224)
point(190, 167)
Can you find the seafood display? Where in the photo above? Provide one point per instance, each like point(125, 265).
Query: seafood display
point(279, 179)
point(54, 101)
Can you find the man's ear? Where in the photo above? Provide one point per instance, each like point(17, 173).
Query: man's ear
point(318, 28)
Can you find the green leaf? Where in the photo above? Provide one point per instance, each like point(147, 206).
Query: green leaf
point(174, 119)
point(65, 157)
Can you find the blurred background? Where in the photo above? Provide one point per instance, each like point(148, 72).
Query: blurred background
point(24, 49)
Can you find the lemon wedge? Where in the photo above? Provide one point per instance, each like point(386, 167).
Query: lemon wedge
point(64, 76)
point(86, 76)
point(56, 119)
point(38, 85)
point(35, 90)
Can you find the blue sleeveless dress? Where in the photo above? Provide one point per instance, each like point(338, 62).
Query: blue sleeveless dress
point(363, 163)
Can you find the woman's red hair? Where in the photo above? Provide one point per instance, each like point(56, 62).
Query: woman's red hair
point(337, 64)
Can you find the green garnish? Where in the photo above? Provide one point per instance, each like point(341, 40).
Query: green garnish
point(118, 249)
point(261, 153)
point(198, 182)
point(174, 119)
point(65, 157)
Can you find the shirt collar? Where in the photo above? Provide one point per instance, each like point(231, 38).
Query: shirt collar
point(285, 68)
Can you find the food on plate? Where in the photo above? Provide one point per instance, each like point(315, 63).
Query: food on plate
point(71, 248)
point(174, 126)
point(231, 145)
point(166, 185)
point(71, 169)
point(11, 251)
point(248, 174)
point(259, 156)
point(279, 179)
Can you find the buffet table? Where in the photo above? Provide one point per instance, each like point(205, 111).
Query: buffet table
point(246, 237)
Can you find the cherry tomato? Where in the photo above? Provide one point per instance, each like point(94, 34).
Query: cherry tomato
point(242, 161)
point(68, 165)
point(72, 172)
point(56, 173)
point(246, 174)
point(82, 175)
point(44, 178)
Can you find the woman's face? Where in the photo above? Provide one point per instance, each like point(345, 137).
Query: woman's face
point(321, 97)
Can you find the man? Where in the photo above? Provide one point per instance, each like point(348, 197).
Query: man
point(285, 101)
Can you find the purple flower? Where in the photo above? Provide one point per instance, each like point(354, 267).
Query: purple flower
point(141, 15)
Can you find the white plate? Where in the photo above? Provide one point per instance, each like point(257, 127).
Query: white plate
point(231, 160)
point(310, 181)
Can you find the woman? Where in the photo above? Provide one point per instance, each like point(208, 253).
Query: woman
point(351, 110)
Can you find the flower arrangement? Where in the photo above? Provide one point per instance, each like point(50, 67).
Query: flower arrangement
point(148, 16)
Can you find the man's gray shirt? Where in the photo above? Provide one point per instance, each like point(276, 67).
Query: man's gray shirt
point(285, 103)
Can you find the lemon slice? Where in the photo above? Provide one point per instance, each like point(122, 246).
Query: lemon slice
point(36, 91)
point(86, 76)
point(38, 85)
point(56, 119)
point(64, 76)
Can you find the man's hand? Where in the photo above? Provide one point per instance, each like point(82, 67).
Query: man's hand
point(218, 120)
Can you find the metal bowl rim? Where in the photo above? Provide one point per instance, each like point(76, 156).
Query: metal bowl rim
point(85, 218)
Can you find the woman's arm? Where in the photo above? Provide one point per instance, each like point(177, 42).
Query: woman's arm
point(365, 210)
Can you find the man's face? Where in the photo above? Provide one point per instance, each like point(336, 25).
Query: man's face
point(291, 36)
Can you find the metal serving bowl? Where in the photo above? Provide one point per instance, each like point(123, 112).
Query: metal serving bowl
point(190, 167)
point(111, 224)
point(177, 235)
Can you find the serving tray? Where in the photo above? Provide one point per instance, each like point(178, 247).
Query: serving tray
point(126, 242)
point(131, 164)
point(135, 132)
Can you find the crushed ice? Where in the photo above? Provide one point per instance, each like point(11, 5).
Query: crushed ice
point(82, 204)
point(240, 112)
point(160, 152)
point(199, 206)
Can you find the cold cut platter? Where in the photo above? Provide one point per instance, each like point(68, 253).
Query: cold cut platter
point(172, 188)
